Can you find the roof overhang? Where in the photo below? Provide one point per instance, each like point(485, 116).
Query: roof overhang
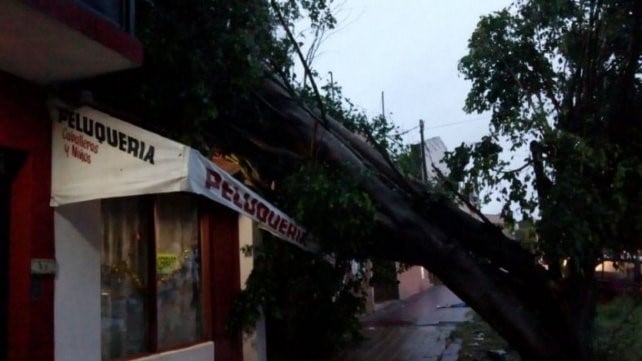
point(96, 156)
point(58, 40)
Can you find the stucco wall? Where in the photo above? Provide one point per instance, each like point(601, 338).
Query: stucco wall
point(77, 286)
point(412, 281)
point(254, 347)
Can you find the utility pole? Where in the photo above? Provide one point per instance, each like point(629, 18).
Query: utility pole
point(383, 107)
point(424, 170)
point(331, 86)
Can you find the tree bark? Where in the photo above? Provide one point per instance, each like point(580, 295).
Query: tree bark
point(493, 274)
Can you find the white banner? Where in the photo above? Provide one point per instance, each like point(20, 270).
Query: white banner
point(98, 156)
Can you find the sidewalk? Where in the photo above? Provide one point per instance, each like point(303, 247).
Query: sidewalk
point(411, 330)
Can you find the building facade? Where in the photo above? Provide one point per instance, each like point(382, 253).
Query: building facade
point(102, 258)
point(43, 42)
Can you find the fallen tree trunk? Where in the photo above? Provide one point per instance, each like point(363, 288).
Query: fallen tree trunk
point(493, 274)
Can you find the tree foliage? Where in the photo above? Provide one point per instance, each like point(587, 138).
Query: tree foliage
point(311, 305)
point(330, 201)
point(203, 61)
point(618, 329)
point(316, 192)
point(563, 82)
point(562, 79)
point(379, 131)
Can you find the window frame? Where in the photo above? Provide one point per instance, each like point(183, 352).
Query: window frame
point(151, 302)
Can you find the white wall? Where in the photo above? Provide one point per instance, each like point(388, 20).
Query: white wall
point(254, 348)
point(78, 233)
point(247, 231)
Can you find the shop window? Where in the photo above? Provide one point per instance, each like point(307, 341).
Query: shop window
point(151, 288)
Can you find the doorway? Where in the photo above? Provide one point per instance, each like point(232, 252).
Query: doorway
point(10, 162)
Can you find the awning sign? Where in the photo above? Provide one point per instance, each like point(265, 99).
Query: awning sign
point(98, 156)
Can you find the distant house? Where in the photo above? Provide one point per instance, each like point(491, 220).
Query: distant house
point(409, 282)
point(435, 151)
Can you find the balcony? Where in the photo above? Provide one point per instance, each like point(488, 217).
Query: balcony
point(47, 41)
point(119, 12)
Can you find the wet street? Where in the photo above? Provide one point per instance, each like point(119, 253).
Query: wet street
point(414, 329)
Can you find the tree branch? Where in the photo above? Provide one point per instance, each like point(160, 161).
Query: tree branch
point(461, 197)
point(306, 67)
point(517, 170)
point(542, 183)
point(277, 151)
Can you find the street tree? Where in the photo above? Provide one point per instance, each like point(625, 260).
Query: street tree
point(562, 79)
point(563, 82)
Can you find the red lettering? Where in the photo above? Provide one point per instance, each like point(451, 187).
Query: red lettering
point(291, 231)
point(262, 212)
point(213, 179)
point(78, 153)
point(250, 205)
point(273, 220)
point(237, 199)
point(227, 191)
point(283, 226)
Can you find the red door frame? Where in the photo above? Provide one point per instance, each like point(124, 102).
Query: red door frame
point(225, 279)
point(25, 126)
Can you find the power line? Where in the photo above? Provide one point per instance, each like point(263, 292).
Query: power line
point(407, 130)
point(443, 125)
point(403, 132)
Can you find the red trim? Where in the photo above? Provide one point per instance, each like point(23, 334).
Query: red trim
point(24, 125)
point(226, 280)
point(93, 26)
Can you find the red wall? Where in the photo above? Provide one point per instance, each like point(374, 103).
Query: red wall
point(225, 280)
point(25, 126)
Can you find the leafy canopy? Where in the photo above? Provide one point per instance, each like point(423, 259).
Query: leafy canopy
point(563, 82)
point(205, 62)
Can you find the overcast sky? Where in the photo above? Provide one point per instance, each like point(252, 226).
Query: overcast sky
point(408, 49)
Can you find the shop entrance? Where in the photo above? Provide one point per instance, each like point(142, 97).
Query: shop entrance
point(10, 162)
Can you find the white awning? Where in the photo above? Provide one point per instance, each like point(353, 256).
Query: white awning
point(98, 156)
